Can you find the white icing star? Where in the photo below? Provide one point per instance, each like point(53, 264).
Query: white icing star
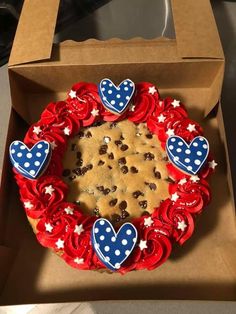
point(69, 210)
point(72, 94)
point(143, 244)
point(170, 132)
point(95, 112)
point(66, 131)
point(175, 103)
point(148, 222)
point(60, 244)
point(79, 229)
point(132, 108)
point(48, 227)
point(49, 190)
point(191, 127)
point(28, 205)
point(181, 225)
point(161, 118)
point(78, 260)
point(53, 145)
point(152, 90)
point(174, 197)
point(37, 130)
point(182, 181)
point(212, 164)
point(194, 178)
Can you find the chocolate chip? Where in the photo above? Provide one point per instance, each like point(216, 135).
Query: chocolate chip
point(83, 170)
point(124, 169)
point(66, 172)
point(100, 163)
point(124, 214)
point(136, 194)
point(113, 202)
point(145, 213)
point(118, 142)
point(88, 134)
point(72, 178)
point(165, 158)
point(143, 204)
point(152, 186)
point(106, 191)
point(110, 167)
point(121, 138)
point(157, 174)
point(100, 188)
point(81, 134)
point(115, 218)
point(122, 161)
point(113, 124)
point(124, 147)
point(149, 156)
point(78, 155)
point(114, 188)
point(149, 135)
point(106, 139)
point(77, 171)
point(79, 162)
point(111, 156)
point(103, 149)
point(133, 169)
point(123, 205)
point(89, 167)
point(73, 146)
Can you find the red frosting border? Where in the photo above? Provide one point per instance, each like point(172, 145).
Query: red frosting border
point(63, 227)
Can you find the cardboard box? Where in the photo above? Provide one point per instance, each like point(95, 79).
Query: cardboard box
point(189, 68)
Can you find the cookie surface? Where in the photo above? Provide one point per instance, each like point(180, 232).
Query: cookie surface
point(116, 170)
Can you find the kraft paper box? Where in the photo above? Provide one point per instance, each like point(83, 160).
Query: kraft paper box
point(189, 67)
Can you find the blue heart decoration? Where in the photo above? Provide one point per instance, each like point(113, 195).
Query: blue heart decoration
point(116, 99)
point(113, 248)
point(30, 162)
point(187, 157)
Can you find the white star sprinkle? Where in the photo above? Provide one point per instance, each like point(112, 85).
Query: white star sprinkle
point(78, 260)
point(132, 108)
point(182, 181)
point(161, 118)
point(194, 178)
point(66, 131)
point(175, 103)
point(53, 145)
point(60, 244)
point(37, 130)
point(49, 190)
point(95, 112)
point(174, 197)
point(28, 205)
point(79, 229)
point(69, 210)
point(212, 164)
point(170, 132)
point(72, 94)
point(143, 244)
point(191, 127)
point(148, 222)
point(48, 227)
point(152, 90)
point(181, 225)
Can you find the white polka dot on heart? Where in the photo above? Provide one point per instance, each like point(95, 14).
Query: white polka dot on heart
point(197, 162)
point(38, 154)
point(172, 140)
point(113, 102)
point(22, 147)
point(19, 154)
point(26, 164)
point(102, 222)
point(121, 104)
point(199, 153)
point(180, 143)
point(110, 91)
point(117, 265)
point(125, 83)
point(103, 89)
point(110, 84)
point(104, 83)
point(46, 151)
point(118, 96)
point(189, 168)
point(108, 229)
point(187, 160)
point(126, 88)
point(127, 252)
point(29, 155)
point(134, 240)
point(179, 150)
point(171, 147)
point(128, 232)
point(16, 143)
point(102, 237)
point(107, 248)
point(195, 144)
point(39, 145)
point(131, 84)
point(201, 139)
point(96, 230)
point(13, 151)
point(204, 146)
point(127, 97)
point(107, 259)
point(32, 172)
point(117, 252)
point(188, 151)
point(113, 239)
point(124, 241)
point(37, 163)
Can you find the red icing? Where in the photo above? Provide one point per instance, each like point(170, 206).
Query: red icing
point(172, 221)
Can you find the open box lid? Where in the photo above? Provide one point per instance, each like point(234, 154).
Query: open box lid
point(196, 33)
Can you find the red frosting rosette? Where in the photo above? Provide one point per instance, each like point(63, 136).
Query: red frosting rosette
point(63, 227)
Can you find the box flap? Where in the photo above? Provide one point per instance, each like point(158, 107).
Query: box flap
point(35, 31)
point(196, 33)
